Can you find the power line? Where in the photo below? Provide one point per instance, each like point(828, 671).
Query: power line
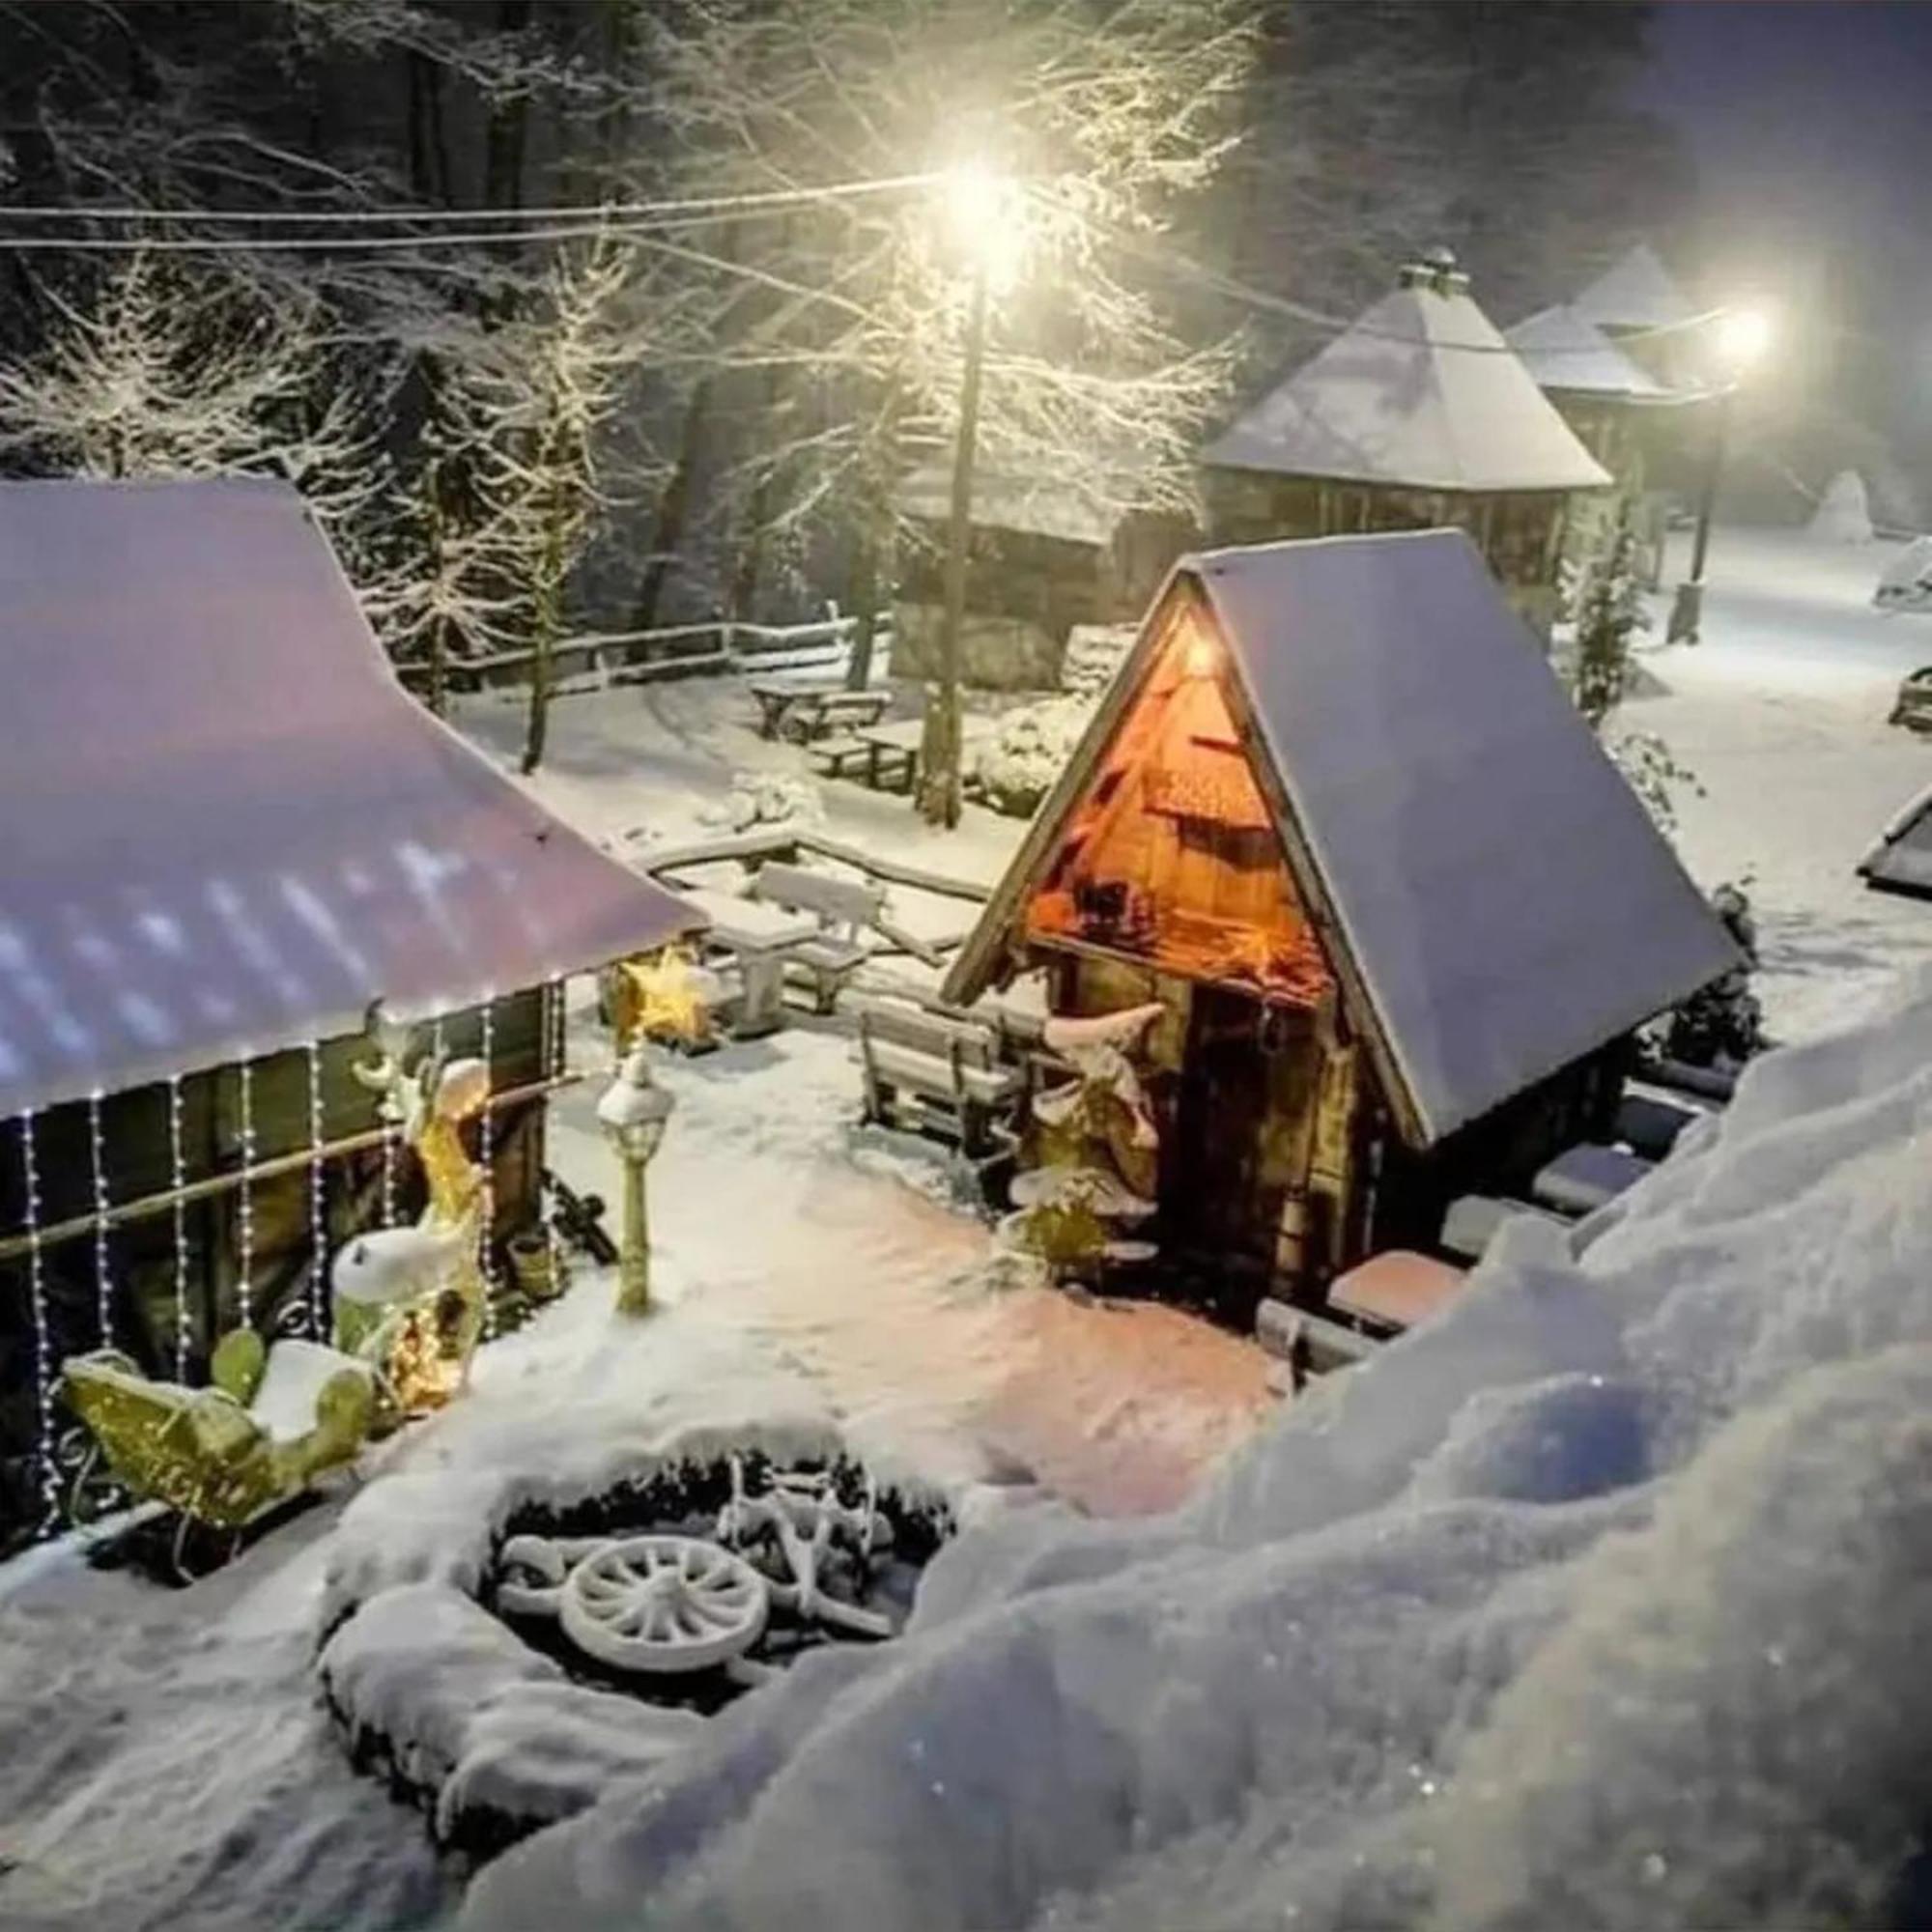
point(692, 206)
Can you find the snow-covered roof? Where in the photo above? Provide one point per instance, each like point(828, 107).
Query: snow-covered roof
point(1566, 352)
point(1420, 392)
point(1031, 505)
point(227, 827)
point(1636, 292)
point(1503, 901)
point(1900, 857)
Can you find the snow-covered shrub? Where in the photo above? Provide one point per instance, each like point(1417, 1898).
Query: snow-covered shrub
point(1843, 514)
point(766, 798)
point(1095, 654)
point(1015, 766)
point(1654, 774)
point(1609, 618)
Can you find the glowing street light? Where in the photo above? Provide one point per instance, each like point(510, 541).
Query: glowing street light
point(985, 212)
point(1741, 339)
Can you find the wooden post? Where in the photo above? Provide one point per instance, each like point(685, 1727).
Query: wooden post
point(939, 747)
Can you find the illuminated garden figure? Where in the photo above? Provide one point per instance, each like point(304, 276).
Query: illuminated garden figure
point(1097, 1149)
point(410, 1300)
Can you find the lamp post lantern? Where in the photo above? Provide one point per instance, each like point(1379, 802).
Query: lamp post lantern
point(1741, 337)
point(633, 1112)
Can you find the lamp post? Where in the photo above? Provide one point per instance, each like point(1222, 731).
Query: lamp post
point(1741, 337)
point(986, 215)
point(633, 1112)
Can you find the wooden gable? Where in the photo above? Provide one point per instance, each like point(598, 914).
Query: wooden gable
point(1170, 853)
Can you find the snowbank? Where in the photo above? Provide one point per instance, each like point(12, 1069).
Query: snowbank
point(1595, 1603)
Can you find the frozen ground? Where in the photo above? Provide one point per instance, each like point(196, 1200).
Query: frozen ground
point(1596, 1528)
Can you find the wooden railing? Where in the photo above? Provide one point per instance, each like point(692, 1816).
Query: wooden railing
point(677, 650)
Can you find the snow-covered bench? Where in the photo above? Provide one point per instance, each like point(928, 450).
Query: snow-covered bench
point(1471, 1223)
point(925, 1070)
point(844, 909)
point(1580, 1180)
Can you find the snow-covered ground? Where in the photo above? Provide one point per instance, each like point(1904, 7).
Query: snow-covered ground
point(1780, 713)
point(1595, 1526)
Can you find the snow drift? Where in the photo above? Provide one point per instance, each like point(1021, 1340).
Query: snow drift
point(1597, 1603)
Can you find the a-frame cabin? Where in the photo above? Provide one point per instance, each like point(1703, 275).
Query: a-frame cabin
point(1338, 819)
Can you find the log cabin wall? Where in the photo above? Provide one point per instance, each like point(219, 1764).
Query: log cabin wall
point(141, 1253)
point(1519, 533)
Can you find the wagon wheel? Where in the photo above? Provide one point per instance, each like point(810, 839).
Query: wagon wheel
point(659, 1605)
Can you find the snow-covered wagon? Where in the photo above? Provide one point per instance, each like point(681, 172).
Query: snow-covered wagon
point(227, 832)
point(1337, 823)
point(1418, 415)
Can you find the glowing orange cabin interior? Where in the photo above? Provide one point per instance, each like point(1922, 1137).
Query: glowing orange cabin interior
point(1173, 857)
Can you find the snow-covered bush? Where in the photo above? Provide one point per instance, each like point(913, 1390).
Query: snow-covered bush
point(1093, 656)
point(1654, 774)
point(1014, 765)
point(1843, 514)
point(766, 798)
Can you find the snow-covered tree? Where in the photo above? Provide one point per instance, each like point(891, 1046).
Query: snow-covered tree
point(1610, 616)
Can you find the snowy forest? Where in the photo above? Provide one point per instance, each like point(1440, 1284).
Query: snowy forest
point(534, 422)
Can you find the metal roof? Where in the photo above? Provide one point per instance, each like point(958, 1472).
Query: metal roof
point(1419, 392)
point(1569, 355)
point(1501, 899)
point(1635, 291)
point(226, 828)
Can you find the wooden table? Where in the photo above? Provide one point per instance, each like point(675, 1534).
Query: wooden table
point(760, 937)
point(792, 707)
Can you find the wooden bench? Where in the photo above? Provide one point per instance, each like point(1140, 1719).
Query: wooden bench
point(844, 909)
point(1311, 1342)
point(1394, 1291)
point(790, 708)
point(925, 1071)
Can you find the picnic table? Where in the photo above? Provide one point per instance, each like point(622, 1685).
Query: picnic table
point(887, 755)
point(760, 937)
point(808, 709)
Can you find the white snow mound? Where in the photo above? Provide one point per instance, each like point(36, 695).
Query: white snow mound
point(1843, 514)
point(1595, 1603)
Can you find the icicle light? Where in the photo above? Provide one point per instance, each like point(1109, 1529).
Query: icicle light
point(44, 1345)
point(485, 1141)
point(244, 1214)
point(317, 1204)
point(553, 1067)
point(104, 1281)
point(178, 1181)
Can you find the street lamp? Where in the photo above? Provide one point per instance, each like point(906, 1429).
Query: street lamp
point(1743, 335)
point(985, 215)
point(633, 1112)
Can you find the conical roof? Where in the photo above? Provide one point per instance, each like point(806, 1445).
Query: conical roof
point(1636, 292)
point(1569, 355)
point(1421, 392)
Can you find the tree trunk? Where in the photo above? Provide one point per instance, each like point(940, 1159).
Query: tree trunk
point(546, 612)
point(509, 121)
point(875, 539)
point(673, 506)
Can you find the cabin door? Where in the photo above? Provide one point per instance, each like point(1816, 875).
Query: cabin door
point(1217, 1194)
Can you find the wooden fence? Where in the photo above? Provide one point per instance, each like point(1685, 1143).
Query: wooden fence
point(598, 658)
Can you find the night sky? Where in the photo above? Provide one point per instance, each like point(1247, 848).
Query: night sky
point(1811, 124)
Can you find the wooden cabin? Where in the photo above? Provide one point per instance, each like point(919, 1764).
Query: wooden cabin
point(228, 831)
point(1401, 913)
point(1038, 562)
point(1419, 415)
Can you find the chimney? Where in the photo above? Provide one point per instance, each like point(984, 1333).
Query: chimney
point(1434, 270)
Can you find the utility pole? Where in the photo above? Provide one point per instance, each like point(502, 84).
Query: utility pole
point(1688, 611)
point(939, 744)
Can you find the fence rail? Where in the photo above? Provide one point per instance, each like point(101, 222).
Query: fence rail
point(676, 650)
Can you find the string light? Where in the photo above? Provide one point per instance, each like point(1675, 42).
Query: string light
point(546, 1184)
point(178, 1179)
point(317, 1207)
point(104, 1284)
point(484, 1159)
point(245, 1205)
point(37, 1297)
